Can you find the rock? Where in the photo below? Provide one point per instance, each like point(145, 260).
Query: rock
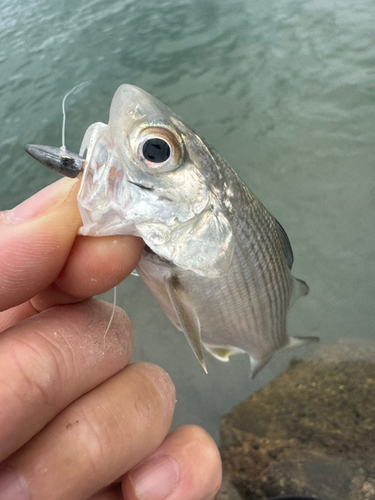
point(309, 432)
point(228, 492)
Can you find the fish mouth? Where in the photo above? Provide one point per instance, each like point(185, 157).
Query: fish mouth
point(100, 185)
point(148, 188)
point(104, 194)
point(97, 220)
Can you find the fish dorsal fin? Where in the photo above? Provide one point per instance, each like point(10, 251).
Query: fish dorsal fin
point(285, 243)
point(203, 244)
point(186, 316)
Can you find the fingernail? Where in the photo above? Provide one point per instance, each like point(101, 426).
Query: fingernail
point(12, 487)
point(39, 202)
point(155, 479)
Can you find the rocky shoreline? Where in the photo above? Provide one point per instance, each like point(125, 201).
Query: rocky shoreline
point(309, 432)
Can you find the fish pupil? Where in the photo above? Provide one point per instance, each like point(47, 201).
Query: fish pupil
point(156, 150)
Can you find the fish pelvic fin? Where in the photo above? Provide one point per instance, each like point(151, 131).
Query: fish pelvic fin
point(300, 341)
point(257, 364)
point(221, 353)
point(187, 318)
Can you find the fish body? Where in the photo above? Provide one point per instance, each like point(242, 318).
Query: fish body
point(216, 260)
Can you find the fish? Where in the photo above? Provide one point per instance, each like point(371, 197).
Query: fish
point(215, 259)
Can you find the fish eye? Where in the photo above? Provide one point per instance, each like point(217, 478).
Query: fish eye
point(159, 148)
point(156, 150)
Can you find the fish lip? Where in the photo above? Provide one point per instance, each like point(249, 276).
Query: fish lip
point(59, 160)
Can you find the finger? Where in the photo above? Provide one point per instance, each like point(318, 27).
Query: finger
point(15, 315)
point(51, 359)
point(52, 296)
point(97, 438)
point(36, 238)
point(186, 465)
point(95, 265)
point(112, 492)
point(99, 263)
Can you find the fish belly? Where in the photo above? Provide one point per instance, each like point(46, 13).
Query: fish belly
point(246, 309)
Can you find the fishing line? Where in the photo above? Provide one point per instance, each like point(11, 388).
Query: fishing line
point(63, 148)
point(112, 315)
point(63, 153)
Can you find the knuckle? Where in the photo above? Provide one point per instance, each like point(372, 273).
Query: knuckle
point(91, 436)
point(39, 365)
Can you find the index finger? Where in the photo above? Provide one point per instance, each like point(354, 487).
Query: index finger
point(38, 245)
point(36, 238)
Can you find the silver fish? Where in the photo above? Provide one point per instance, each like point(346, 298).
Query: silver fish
point(216, 260)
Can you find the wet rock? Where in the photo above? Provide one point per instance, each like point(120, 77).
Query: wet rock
point(309, 432)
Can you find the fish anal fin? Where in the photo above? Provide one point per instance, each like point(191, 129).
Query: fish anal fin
point(256, 364)
point(187, 318)
point(300, 341)
point(220, 353)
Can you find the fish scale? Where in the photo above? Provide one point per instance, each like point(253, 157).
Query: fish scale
point(243, 316)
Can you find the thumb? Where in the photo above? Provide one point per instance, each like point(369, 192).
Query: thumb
point(35, 241)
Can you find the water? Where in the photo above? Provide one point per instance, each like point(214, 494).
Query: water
point(285, 91)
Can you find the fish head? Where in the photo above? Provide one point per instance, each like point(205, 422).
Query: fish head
point(145, 175)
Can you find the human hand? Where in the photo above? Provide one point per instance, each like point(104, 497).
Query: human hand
point(77, 421)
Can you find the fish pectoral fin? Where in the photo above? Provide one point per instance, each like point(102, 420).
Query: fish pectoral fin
point(203, 244)
point(256, 364)
point(221, 353)
point(300, 341)
point(188, 319)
